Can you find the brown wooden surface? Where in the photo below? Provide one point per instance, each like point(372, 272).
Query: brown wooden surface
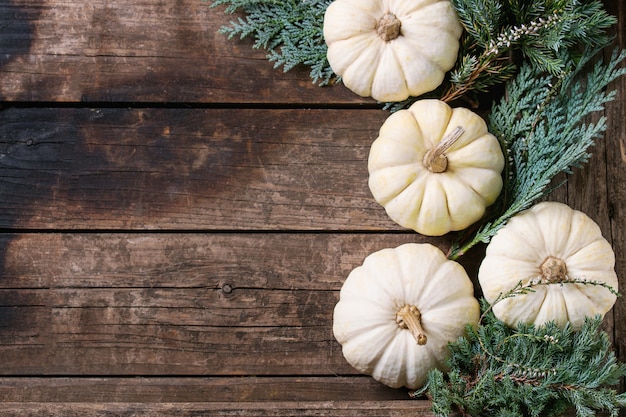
point(150, 51)
point(230, 169)
point(177, 218)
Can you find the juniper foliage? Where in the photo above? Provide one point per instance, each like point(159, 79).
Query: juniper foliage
point(543, 128)
point(545, 34)
point(290, 30)
point(532, 371)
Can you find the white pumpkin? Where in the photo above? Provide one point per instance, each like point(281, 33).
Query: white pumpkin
point(435, 169)
point(544, 246)
point(398, 311)
point(391, 49)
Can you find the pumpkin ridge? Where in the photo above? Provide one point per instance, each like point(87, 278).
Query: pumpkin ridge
point(421, 45)
point(606, 264)
point(431, 137)
point(425, 218)
point(432, 296)
point(359, 278)
point(470, 151)
point(487, 198)
point(416, 8)
point(586, 290)
point(484, 200)
point(446, 199)
point(361, 51)
point(376, 348)
point(536, 233)
point(583, 239)
point(474, 203)
point(356, 12)
point(391, 266)
point(350, 6)
point(570, 309)
point(556, 240)
point(524, 315)
point(553, 298)
point(388, 196)
point(386, 54)
point(388, 363)
point(418, 200)
point(416, 80)
point(597, 303)
point(502, 250)
point(573, 254)
point(415, 289)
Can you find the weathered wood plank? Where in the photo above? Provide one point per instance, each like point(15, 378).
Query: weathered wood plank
point(195, 390)
point(154, 51)
point(176, 304)
point(276, 261)
point(184, 169)
point(615, 191)
point(345, 408)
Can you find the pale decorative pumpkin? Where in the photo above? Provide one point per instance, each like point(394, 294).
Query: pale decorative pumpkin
point(391, 49)
point(435, 169)
point(398, 311)
point(544, 246)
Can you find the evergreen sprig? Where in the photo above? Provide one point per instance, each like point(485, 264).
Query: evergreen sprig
point(498, 35)
point(290, 30)
point(543, 129)
point(532, 371)
point(545, 33)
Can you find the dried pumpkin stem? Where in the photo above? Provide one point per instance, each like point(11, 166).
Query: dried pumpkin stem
point(435, 159)
point(388, 27)
point(553, 270)
point(409, 317)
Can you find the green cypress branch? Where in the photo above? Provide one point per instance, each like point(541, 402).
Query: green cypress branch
point(542, 128)
point(290, 30)
point(546, 35)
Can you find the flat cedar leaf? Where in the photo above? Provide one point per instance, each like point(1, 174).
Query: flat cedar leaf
point(543, 130)
point(290, 30)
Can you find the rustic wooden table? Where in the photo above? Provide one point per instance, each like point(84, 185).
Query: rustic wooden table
point(178, 216)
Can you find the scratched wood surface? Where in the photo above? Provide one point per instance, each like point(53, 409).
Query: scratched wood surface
point(177, 218)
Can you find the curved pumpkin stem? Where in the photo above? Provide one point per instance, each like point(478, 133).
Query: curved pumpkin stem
point(435, 159)
point(409, 317)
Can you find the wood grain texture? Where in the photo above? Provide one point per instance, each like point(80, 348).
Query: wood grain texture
point(196, 389)
point(175, 247)
point(188, 169)
point(615, 157)
point(150, 51)
point(223, 409)
point(176, 304)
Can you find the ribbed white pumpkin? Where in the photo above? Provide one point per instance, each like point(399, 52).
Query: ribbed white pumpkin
point(545, 245)
point(391, 49)
point(427, 179)
point(398, 311)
